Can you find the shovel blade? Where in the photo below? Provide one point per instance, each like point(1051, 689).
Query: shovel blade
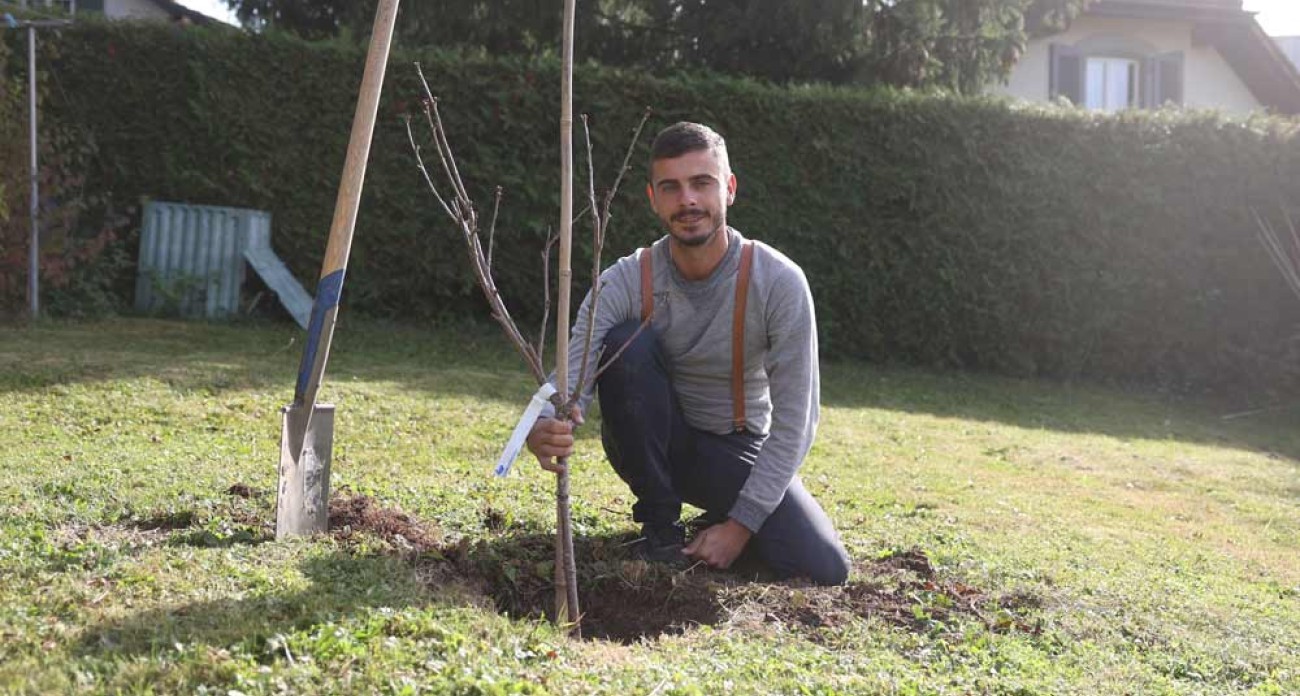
point(302, 501)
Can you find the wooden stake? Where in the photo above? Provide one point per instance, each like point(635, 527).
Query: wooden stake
point(566, 585)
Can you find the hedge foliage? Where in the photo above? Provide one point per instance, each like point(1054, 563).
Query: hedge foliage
point(934, 229)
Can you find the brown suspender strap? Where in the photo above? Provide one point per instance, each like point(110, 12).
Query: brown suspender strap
point(738, 336)
point(647, 285)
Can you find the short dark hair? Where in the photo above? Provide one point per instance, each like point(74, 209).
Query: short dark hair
point(683, 137)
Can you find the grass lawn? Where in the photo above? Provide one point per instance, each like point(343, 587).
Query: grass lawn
point(1009, 536)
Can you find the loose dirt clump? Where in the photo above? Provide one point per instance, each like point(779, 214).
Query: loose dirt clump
point(911, 560)
point(351, 515)
point(242, 490)
point(494, 520)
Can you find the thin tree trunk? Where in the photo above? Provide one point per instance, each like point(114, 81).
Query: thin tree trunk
point(461, 210)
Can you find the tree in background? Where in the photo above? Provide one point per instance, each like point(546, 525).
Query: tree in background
point(960, 45)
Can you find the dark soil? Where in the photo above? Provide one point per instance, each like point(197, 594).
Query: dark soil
point(903, 589)
point(626, 600)
point(351, 515)
point(242, 490)
point(166, 521)
point(621, 599)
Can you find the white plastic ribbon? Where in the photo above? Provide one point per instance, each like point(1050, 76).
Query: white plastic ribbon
point(517, 438)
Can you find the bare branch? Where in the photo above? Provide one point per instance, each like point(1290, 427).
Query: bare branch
point(451, 158)
point(598, 236)
point(429, 106)
point(606, 363)
point(591, 176)
point(627, 158)
point(461, 209)
point(423, 170)
point(1295, 234)
point(502, 316)
point(600, 222)
point(444, 148)
point(551, 239)
point(458, 204)
point(492, 229)
point(1290, 269)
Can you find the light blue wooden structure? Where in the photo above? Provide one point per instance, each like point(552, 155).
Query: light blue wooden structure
point(192, 257)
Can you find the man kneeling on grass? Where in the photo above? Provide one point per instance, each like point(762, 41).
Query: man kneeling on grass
point(715, 402)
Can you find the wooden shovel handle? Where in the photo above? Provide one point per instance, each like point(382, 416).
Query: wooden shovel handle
point(320, 331)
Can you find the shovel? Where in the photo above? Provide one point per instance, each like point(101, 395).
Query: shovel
point(307, 428)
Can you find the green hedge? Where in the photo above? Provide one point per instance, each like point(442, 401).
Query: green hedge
point(934, 230)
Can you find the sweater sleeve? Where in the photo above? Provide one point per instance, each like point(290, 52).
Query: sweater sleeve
point(794, 383)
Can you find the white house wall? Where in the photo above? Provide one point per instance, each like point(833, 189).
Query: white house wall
point(133, 9)
point(1208, 81)
point(1290, 45)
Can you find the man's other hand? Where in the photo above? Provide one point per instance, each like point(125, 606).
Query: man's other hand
point(552, 439)
point(719, 545)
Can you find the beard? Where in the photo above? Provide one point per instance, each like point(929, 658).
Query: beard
point(695, 241)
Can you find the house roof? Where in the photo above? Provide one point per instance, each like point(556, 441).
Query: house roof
point(1234, 33)
point(179, 12)
point(1196, 10)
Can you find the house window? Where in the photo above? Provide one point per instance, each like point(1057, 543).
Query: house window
point(1110, 84)
point(68, 6)
point(1111, 75)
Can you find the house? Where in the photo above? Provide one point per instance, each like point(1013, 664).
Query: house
point(1121, 54)
point(162, 10)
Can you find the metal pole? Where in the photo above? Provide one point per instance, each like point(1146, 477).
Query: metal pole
point(34, 250)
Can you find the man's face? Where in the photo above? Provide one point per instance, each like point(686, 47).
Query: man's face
point(691, 194)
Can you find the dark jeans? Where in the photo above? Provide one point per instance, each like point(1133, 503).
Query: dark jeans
point(666, 461)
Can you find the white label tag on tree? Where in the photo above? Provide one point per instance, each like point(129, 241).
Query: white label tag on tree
point(520, 435)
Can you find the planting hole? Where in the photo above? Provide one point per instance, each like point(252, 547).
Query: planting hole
point(627, 600)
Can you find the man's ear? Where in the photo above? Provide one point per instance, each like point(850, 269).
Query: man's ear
point(650, 192)
point(731, 188)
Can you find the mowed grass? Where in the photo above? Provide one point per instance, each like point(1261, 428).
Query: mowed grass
point(1125, 543)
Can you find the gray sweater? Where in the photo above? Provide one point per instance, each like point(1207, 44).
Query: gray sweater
point(693, 321)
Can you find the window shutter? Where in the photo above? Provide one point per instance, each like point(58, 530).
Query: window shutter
point(1169, 78)
point(1066, 74)
point(1162, 80)
point(1150, 78)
